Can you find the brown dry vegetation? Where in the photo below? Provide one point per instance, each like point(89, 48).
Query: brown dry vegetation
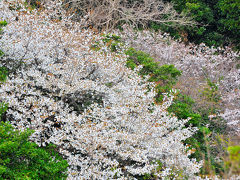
point(108, 14)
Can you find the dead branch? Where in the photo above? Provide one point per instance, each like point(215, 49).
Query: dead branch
point(108, 14)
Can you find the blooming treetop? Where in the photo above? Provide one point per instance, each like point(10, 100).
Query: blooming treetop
point(60, 88)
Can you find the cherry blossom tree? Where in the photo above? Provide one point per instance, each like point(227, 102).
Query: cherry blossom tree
point(88, 103)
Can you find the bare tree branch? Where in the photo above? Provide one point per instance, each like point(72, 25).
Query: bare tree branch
point(108, 14)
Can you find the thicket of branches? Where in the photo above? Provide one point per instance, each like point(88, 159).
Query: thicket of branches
point(108, 14)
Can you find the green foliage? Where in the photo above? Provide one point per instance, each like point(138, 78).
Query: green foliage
point(112, 41)
point(233, 161)
point(110, 84)
point(218, 21)
point(1, 53)
point(130, 64)
point(238, 66)
point(2, 24)
point(182, 107)
point(200, 11)
point(230, 12)
point(165, 76)
point(114, 47)
point(21, 159)
point(3, 74)
point(111, 37)
point(228, 156)
point(212, 39)
point(3, 109)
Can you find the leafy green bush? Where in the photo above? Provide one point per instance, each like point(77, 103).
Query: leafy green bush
point(218, 21)
point(229, 21)
point(182, 107)
point(2, 23)
point(3, 74)
point(3, 70)
point(230, 11)
point(21, 159)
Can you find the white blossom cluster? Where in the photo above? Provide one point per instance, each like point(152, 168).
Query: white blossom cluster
point(88, 103)
point(196, 63)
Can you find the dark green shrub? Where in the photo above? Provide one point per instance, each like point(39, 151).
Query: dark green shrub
point(238, 66)
point(218, 21)
point(182, 107)
point(229, 21)
point(200, 11)
point(3, 74)
point(230, 12)
point(213, 39)
point(21, 159)
point(2, 23)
